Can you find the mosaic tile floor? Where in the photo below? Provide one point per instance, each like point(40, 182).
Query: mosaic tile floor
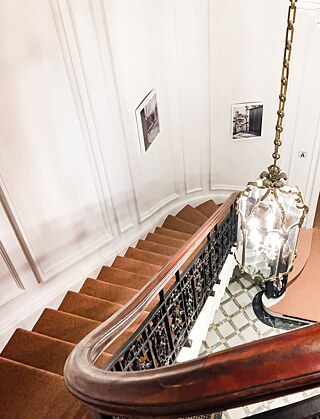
point(236, 323)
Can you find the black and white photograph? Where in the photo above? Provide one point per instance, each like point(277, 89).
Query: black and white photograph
point(148, 120)
point(247, 120)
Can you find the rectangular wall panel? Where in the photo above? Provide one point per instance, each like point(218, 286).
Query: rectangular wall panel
point(142, 61)
point(46, 168)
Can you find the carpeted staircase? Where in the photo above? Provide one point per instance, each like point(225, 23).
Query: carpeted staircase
point(31, 364)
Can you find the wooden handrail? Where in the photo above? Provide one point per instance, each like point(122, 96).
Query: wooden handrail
point(245, 374)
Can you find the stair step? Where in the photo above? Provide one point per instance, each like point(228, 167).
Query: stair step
point(172, 233)
point(148, 257)
point(109, 292)
point(72, 328)
point(64, 326)
point(156, 248)
point(207, 208)
point(89, 307)
point(37, 350)
point(117, 276)
point(135, 266)
point(192, 215)
point(165, 240)
point(27, 392)
point(174, 223)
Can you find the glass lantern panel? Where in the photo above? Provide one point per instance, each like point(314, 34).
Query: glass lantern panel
point(265, 230)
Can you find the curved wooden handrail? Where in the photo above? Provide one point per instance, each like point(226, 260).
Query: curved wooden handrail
point(245, 374)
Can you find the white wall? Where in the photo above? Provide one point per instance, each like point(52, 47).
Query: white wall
point(74, 183)
point(246, 52)
point(74, 186)
point(247, 40)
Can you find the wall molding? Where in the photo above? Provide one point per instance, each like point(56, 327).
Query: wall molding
point(71, 260)
point(107, 53)
point(151, 211)
point(11, 267)
point(82, 102)
point(193, 190)
point(19, 232)
point(24, 310)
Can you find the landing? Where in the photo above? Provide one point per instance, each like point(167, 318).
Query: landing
point(301, 299)
point(236, 323)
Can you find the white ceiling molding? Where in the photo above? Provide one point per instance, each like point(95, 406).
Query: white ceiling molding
point(312, 7)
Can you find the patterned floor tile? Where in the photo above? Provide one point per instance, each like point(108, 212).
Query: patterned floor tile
point(235, 323)
point(239, 320)
point(226, 329)
point(230, 307)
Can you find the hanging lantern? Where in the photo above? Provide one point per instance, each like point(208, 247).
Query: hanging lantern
point(270, 212)
point(269, 221)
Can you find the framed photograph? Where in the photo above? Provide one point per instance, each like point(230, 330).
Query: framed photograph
point(147, 117)
point(247, 121)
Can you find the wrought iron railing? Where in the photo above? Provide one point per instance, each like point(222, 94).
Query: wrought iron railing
point(242, 375)
point(159, 339)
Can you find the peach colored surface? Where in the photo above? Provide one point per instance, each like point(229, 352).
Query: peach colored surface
point(302, 297)
point(316, 223)
point(303, 253)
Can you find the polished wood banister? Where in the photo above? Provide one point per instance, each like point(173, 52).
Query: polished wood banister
point(246, 374)
point(242, 375)
point(121, 320)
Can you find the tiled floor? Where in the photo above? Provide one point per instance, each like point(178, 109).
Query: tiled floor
point(235, 323)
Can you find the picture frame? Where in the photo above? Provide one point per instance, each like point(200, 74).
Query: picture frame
point(247, 121)
point(147, 118)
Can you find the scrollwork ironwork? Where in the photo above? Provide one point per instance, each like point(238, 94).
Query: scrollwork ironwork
point(165, 331)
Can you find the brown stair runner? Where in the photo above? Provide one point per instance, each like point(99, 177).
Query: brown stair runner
point(175, 234)
point(135, 266)
point(30, 393)
point(120, 277)
point(165, 240)
point(110, 292)
point(175, 223)
point(148, 257)
point(161, 249)
point(31, 364)
point(192, 215)
point(207, 208)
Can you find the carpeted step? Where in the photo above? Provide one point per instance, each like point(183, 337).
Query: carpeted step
point(207, 208)
point(165, 240)
point(121, 277)
point(172, 234)
point(111, 292)
point(108, 292)
point(28, 393)
point(174, 223)
point(69, 327)
point(192, 215)
point(38, 351)
point(148, 257)
point(156, 248)
point(89, 307)
point(64, 326)
point(135, 266)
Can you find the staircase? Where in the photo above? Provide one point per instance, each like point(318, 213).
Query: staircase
point(31, 364)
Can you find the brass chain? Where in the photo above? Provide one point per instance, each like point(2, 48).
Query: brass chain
point(284, 78)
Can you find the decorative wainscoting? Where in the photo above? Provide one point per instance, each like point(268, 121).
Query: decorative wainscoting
point(25, 307)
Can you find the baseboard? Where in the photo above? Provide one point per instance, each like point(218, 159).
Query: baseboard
point(24, 310)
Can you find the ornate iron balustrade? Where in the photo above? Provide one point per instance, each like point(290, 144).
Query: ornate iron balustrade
point(165, 331)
